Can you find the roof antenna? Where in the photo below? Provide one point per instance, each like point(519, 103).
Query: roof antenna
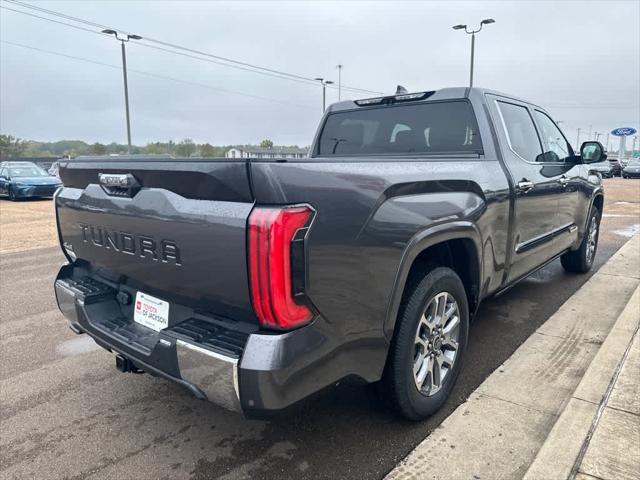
point(401, 90)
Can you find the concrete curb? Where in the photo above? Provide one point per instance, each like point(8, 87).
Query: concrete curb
point(499, 431)
point(558, 455)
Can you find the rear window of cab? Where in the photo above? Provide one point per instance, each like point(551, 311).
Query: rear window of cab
point(401, 129)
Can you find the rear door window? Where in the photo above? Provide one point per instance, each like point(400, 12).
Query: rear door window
point(521, 132)
point(425, 128)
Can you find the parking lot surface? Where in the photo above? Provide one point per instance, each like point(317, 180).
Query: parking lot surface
point(66, 412)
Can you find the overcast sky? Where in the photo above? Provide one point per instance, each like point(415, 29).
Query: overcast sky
point(580, 60)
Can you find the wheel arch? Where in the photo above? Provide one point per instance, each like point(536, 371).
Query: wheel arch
point(455, 245)
point(598, 202)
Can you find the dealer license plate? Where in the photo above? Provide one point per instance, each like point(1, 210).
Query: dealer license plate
point(151, 312)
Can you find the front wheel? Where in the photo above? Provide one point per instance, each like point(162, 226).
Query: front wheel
point(12, 195)
point(426, 353)
point(581, 260)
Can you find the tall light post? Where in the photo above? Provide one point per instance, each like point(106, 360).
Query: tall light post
point(123, 40)
point(324, 84)
point(578, 140)
point(486, 21)
point(339, 67)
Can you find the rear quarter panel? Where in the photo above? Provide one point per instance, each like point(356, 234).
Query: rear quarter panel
point(370, 213)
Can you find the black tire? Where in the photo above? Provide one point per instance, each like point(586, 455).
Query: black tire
point(580, 261)
point(399, 383)
point(12, 195)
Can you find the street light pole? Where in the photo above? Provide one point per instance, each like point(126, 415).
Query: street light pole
point(486, 21)
point(126, 95)
point(578, 140)
point(339, 67)
point(324, 84)
point(123, 40)
point(473, 45)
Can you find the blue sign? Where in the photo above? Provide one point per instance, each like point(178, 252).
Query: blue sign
point(623, 132)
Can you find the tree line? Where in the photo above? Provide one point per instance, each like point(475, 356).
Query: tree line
point(13, 147)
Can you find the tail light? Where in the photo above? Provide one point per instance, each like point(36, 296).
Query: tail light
point(276, 237)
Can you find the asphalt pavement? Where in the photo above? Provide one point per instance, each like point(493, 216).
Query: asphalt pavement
point(66, 412)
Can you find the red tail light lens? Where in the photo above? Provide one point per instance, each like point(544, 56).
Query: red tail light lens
point(271, 233)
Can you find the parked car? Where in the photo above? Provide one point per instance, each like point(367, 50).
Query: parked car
point(256, 283)
point(632, 170)
point(604, 167)
point(26, 179)
point(616, 168)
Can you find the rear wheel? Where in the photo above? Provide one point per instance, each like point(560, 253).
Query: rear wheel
point(581, 260)
point(427, 349)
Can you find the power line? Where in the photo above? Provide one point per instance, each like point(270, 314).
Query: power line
point(221, 63)
point(155, 75)
point(249, 66)
point(50, 19)
point(158, 48)
point(57, 14)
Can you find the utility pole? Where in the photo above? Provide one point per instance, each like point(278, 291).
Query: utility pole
point(339, 67)
point(123, 40)
point(324, 84)
point(578, 140)
point(486, 21)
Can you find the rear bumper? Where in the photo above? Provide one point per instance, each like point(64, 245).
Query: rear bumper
point(252, 373)
point(209, 375)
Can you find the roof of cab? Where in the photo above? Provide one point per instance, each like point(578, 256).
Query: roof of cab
point(449, 93)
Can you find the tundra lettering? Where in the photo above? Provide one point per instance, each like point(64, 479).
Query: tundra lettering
point(124, 242)
point(367, 260)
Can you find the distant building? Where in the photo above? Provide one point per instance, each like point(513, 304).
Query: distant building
point(263, 152)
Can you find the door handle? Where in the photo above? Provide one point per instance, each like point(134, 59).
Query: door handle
point(563, 181)
point(525, 185)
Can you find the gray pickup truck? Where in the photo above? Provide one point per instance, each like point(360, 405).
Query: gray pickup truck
point(255, 283)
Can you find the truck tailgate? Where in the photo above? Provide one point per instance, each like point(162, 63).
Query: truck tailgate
point(180, 235)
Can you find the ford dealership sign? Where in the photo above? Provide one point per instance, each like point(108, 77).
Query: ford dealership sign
point(623, 132)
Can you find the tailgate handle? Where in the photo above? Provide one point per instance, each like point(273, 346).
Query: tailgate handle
point(119, 184)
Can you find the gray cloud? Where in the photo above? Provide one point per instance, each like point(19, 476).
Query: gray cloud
point(581, 60)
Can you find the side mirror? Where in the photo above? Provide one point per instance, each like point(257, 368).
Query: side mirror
point(592, 152)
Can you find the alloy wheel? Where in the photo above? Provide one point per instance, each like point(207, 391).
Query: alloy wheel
point(592, 238)
point(436, 343)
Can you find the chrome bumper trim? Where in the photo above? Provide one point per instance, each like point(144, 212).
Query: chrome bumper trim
point(66, 302)
point(216, 375)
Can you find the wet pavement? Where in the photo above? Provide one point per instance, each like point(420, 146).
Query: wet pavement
point(66, 412)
